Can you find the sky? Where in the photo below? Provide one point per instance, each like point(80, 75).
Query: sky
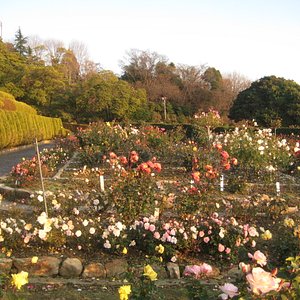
point(254, 38)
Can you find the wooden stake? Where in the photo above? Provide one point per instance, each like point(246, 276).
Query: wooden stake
point(41, 175)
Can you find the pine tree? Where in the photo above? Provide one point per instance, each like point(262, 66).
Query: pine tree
point(21, 43)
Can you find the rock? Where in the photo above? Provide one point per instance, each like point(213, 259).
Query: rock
point(45, 266)
point(96, 270)
point(161, 271)
point(71, 267)
point(116, 267)
point(173, 270)
point(5, 265)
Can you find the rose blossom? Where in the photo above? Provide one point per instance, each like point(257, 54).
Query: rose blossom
point(252, 231)
point(156, 235)
point(244, 267)
point(201, 233)
point(206, 239)
point(196, 271)
point(152, 227)
point(221, 248)
point(259, 257)
point(262, 282)
point(146, 226)
point(229, 290)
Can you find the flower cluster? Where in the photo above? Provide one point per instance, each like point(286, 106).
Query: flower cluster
point(28, 169)
point(123, 165)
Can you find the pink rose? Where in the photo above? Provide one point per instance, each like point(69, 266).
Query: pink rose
point(206, 239)
point(252, 231)
point(201, 233)
point(156, 235)
point(245, 268)
point(205, 268)
point(221, 248)
point(152, 227)
point(262, 282)
point(229, 290)
point(196, 271)
point(259, 257)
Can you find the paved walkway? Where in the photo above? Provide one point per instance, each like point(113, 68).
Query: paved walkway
point(11, 157)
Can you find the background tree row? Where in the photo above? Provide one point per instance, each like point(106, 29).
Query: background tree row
point(63, 82)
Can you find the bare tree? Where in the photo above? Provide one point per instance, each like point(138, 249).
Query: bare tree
point(236, 83)
point(192, 78)
point(141, 65)
point(81, 53)
point(55, 50)
point(37, 47)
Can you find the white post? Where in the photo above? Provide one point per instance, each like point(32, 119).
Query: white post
point(156, 213)
point(101, 183)
point(165, 107)
point(222, 183)
point(277, 188)
point(41, 175)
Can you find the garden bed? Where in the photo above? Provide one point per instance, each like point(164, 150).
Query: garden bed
point(149, 210)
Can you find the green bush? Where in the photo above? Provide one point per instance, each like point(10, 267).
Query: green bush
point(8, 102)
point(17, 128)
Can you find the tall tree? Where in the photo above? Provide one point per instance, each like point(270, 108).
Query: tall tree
point(139, 68)
point(21, 43)
point(12, 69)
point(104, 96)
point(81, 53)
point(55, 49)
point(235, 83)
point(268, 99)
point(213, 77)
point(70, 67)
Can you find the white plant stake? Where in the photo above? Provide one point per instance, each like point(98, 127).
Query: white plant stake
point(222, 183)
point(277, 188)
point(101, 183)
point(41, 175)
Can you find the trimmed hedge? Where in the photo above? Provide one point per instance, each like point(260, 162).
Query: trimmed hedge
point(19, 128)
point(8, 102)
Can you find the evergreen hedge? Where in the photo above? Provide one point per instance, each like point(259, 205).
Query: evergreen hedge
point(8, 102)
point(19, 128)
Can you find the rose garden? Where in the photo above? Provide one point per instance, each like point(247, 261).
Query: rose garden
point(214, 214)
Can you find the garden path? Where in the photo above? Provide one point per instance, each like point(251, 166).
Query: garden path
point(10, 157)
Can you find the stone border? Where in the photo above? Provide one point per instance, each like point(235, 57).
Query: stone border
point(50, 266)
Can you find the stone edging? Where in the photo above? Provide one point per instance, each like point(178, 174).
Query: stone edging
point(50, 266)
point(75, 268)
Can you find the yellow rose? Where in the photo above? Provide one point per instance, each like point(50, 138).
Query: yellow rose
point(267, 235)
point(125, 251)
point(160, 249)
point(124, 292)
point(18, 280)
point(34, 259)
point(289, 222)
point(150, 273)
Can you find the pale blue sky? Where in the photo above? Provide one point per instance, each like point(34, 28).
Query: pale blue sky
point(253, 37)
